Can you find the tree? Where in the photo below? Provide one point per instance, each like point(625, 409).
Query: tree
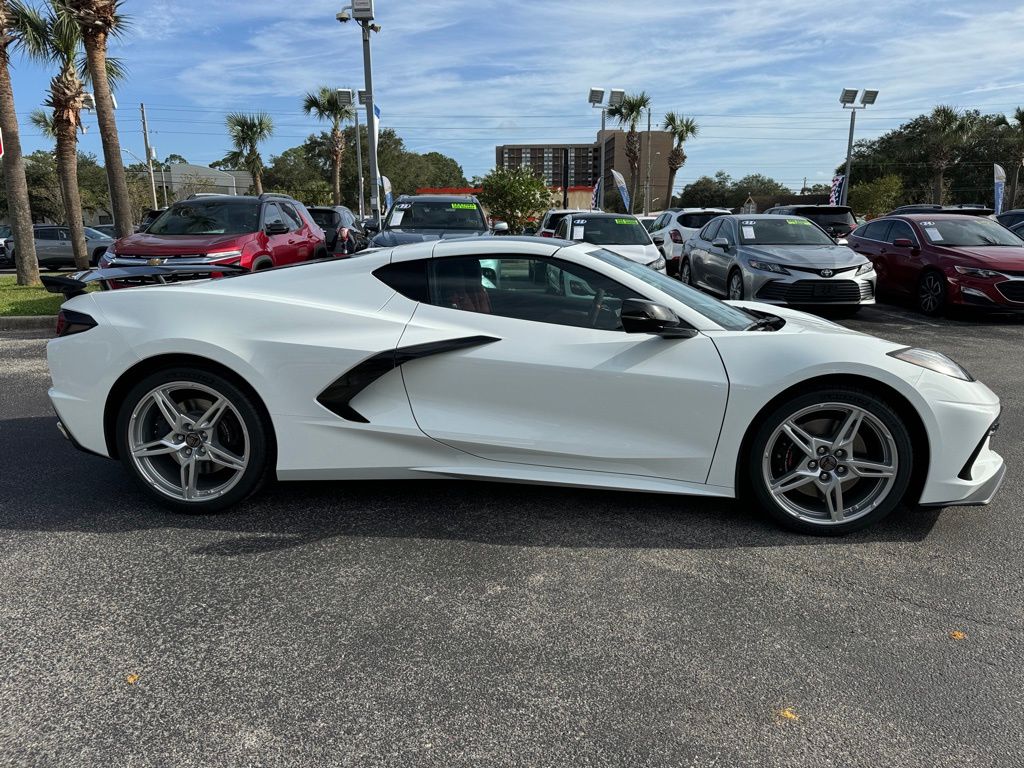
point(628, 113)
point(877, 197)
point(295, 173)
point(247, 132)
point(514, 195)
point(707, 192)
point(98, 21)
point(755, 185)
point(947, 133)
point(16, 28)
point(325, 105)
point(682, 129)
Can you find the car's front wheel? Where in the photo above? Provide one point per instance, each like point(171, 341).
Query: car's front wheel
point(685, 275)
point(194, 440)
point(830, 461)
point(736, 285)
point(931, 293)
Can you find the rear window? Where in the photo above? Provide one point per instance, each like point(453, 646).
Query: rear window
point(409, 278)
point(325, 219)
point(419, 214)
point(834, 216)
point(609, 230)
point(208, 217)
point(696, 220)
point(554, 219)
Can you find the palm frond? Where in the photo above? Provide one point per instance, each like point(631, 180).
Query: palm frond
point(43, 121)
point(30, 30)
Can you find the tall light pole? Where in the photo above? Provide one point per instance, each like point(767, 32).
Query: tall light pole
point(362, 12)
point(345, 97)
point(848, 99)
point(596, 97)
point(647, 181)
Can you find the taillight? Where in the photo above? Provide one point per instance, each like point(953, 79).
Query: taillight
point(676, 237)
point(70, 322)
point(547, 234)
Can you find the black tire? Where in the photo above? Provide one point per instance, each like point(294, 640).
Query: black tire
point(685, 275)
point(264, 262)
point(769, 456)
point(95, 260)
point(261, 447)
point(321, 252)
point(932, 293)
point(735, 277)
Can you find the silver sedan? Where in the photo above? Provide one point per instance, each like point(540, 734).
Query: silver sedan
point(776, 260)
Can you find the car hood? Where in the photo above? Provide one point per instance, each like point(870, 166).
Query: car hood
point(392, 237)
point(797, 321)
point(991, 256)
point(644, 254)
point(804, 255)
point(141, 244)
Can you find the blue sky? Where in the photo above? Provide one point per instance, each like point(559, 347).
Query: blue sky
point(761, 77)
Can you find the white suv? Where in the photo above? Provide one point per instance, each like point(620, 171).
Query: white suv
point(674, 227)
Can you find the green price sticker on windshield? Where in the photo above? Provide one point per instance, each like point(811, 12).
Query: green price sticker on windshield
point(464, 206)
point(625, 221)
point(803, 222)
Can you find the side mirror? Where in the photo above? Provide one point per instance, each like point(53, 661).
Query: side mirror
point(501, 226)
point(659, 240)
point(276, 228)
point(642, 316)
point(903, 242)
point(720, 242)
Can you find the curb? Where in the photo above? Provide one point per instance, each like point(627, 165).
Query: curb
point(28, 323)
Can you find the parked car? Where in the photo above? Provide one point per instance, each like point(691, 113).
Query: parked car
point(615, 232)
point(343, 231)
point(107, 229)
point(943, 259)
point(552, 217)
point(250, 232)
point(149, 217)
point(54, 249)
point(6, 257)
point(1010, 219)
point(837, 220)
point(415, 218)
point(647, 221)
point(963, 209)
point(424, 372)
point(675, 226)
point(776, 260)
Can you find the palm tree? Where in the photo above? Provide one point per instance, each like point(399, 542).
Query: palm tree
point(325, 105)
point(1015, 129)
point(947, 133)
point(628, 114)
point(19, 26)
point(247, 131)
point(682, 128)
point(98, 21)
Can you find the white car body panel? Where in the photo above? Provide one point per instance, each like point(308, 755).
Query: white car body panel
point(545, 404)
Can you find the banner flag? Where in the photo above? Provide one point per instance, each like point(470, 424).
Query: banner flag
point(836, 195)
point(620, 182)
point(1000, 181)
point(595, 199)
point(387, 192)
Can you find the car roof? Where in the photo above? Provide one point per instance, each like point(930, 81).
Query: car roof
point(937, 216)
point(604, 215)
point(816, 207)
point(437, 198)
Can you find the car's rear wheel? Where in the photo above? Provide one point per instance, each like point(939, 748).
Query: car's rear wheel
point(193, 440)
point(736, 285)
point(931, 293)
point(830, 462)
point(262, 263)
point(684, 272)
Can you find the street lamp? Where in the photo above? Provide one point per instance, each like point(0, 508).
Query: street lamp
point(596, 97)
point(345, 98)
point(362, 12)
point(848, 99)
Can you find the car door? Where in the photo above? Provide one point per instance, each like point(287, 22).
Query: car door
point(301, 238)
point(47, 246)
point(282, 251)
point(699, 253)
point(904, 264)
point(719, 259)
point(868, 241)
point(538, 384)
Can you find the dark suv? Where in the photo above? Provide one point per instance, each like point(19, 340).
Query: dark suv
point(415, 218)
point(837, 220)
point(343, 230)
point(250, 232)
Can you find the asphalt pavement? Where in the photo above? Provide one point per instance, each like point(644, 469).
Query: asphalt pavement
point(441, 623)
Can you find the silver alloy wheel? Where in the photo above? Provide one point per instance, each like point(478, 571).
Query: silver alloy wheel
point(188, 441)
point(830, 463)
point(930, 292)
point(736, 286)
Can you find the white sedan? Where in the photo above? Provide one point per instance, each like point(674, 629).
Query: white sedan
point(566, 364)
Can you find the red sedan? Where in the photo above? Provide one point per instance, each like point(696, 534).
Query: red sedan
point(943, 259)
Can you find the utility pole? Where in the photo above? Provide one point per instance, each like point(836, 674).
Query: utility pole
point(149, 155)
point(647, 182)
point(371, 126)
point(600, 144)
point(359, 164)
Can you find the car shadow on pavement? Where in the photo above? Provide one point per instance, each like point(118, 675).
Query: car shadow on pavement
point(52, 487)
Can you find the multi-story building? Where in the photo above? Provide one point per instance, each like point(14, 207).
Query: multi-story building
point(549, 160)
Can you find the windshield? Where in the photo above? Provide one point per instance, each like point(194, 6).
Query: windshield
point(208, 217)
point(782, 231)
point(730, 318)
point(608, 230)
point(554, 219)
point(969, 232)
point(95, 234)
point(436, 215)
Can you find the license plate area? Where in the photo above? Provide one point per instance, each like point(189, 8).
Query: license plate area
point(824, 290)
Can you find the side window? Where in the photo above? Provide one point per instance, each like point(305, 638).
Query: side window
point(272, 215)
point(900, 229)
point(563, 229)
point(661, 222)
point(63, 234)
point(50, 233)
point(725, 230)
point(409, 278)
point(345, 218)
point(534, 289)
point(291, 216)
point(875, 230)
point(711, 230)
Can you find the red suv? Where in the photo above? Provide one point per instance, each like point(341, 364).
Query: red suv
point(942, 259)
point(250, 232)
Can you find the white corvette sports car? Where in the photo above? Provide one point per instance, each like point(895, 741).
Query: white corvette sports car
point(519, 360)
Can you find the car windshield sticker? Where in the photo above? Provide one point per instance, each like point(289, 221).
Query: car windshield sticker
point(804, 222)
point(577, 233)
point(403, 206)
point(396, 218)
point(625, 221)
point(465, 206)
point(748, 232)
point(933, 234)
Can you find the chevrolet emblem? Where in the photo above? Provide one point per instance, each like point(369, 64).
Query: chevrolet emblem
point(155, 262)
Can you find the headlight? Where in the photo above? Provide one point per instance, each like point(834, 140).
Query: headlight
point(222, 257)
point(976, 272)
point(658, 264)
point(768, 267)
point(933, 361)
point(864, 268)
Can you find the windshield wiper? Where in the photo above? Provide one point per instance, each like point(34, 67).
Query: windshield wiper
point(769, 323)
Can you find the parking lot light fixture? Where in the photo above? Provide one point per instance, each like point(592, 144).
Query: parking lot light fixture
point(596, 97)
point(616, 96)
point(848, 98)
point(868, 97)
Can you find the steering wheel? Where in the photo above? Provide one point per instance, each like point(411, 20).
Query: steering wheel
point(596, 307)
